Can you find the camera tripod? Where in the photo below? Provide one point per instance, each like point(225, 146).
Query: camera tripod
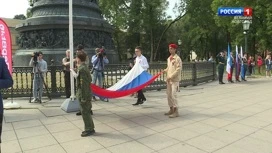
point(38, 76)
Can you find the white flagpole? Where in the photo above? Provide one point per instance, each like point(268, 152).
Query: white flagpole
point(71, 46)
point(71, 104)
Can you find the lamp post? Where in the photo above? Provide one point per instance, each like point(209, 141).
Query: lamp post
point(246, 25)
point(179, 44)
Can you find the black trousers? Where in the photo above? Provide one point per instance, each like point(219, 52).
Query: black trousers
point(220, 72)
point(141, 96)
point(67, 84)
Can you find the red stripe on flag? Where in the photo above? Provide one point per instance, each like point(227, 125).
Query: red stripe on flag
point(116, 94)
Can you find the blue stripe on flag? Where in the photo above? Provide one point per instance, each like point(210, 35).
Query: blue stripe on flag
point(139, 80)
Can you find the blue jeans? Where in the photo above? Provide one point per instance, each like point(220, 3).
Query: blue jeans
point(243, 71)
point(37, 86)
point(97, 76)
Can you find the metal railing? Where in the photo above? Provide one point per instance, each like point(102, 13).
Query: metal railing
point(192, 74)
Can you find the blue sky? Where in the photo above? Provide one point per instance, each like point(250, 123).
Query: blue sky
point(14, 7)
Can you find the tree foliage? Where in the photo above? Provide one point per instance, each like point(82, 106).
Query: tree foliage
point(20, 17)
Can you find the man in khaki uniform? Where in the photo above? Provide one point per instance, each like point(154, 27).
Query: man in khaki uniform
point(173, 70)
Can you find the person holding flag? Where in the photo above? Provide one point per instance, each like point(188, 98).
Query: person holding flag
point(229, 67)
point(237, 65)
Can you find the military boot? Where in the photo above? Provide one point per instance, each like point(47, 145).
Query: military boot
point(169, 112)
point(175, 113)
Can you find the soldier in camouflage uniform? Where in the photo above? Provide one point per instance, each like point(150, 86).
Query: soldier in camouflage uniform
point(84, 93)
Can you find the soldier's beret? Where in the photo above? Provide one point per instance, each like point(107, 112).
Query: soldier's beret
point(173, 46)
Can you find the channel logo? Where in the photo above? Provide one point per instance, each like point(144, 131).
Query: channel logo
point(234, 11)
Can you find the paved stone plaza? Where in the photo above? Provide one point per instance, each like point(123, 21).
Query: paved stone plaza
point(230, 118)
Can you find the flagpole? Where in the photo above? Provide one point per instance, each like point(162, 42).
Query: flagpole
point(71, 46)
point(71, 104)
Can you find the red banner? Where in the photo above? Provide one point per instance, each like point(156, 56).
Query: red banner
point(5, 44)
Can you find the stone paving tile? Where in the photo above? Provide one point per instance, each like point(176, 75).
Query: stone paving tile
point(100, 151)
point(53, 120)
point(8, 136)
point(58, 127)
point(185, 148)
point(26, 124)
point(253, 122)
point(10, 146)
point(206, 143)
point(138, 132)
point(240, 129)
point(143, 120)
point(107, 118)
point(37, 142)
point(31, 131)
point(200, 128)
point(254, 145)
point(262, 135)
point(47, 149)
point(232, 149)
point(160, 126)
point(81, 146)
point(215, 122)
point(122, 124)
point(224, 136)
point(111, 139)
point(158, 141)
point(22, 115)
point(181, 134)
point(7, 126)
point(66, 136)
point(133, 146)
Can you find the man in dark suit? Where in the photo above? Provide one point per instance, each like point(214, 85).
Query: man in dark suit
point(5, 82)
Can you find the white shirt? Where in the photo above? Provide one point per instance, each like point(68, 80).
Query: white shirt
point(142, 61)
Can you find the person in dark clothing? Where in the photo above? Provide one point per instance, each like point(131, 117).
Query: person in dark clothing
point(5, 82)
point(221, 65)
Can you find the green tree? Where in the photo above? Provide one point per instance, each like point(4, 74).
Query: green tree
point(20, 17)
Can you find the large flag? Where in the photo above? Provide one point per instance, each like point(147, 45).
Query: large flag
point(229, 61)
point(136, 79)
point(237, 61)
point(5, 44)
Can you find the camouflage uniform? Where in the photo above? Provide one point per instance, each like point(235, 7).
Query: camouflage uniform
point(84, 95)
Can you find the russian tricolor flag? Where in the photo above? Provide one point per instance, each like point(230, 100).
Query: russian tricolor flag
point(136, 79)
point(229, 61)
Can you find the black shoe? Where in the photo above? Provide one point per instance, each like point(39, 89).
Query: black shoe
point(137, 103)
point(244, 79)
point(91, 112)
point(87, 133)
point(238, 80)
point(94, 98)
point(231, 81)
point(142, 101)
point(221, 83)
point(78, 113)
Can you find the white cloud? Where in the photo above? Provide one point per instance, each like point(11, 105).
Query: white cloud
point(10, 8)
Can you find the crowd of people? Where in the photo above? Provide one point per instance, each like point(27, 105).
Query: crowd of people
point(242, 66)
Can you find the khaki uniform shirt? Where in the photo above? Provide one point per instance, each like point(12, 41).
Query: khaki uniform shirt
point(174, 67)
